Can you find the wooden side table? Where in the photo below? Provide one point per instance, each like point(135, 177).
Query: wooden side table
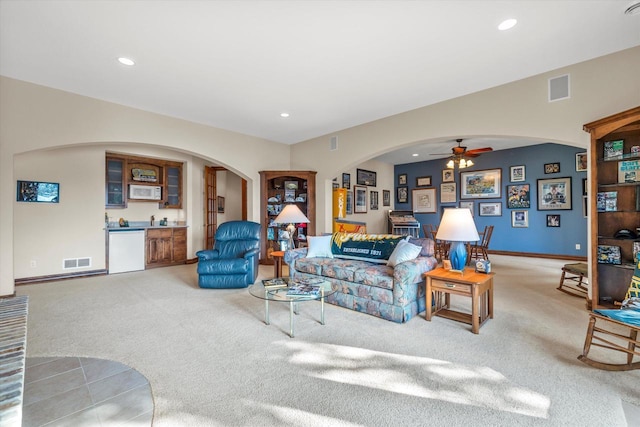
point(478, 286)
point(278, 256)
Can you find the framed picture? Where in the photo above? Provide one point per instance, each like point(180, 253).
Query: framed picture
point(359, 199)
point(423, 181)
point(346, 180)
point(554, 194)
point(585, 208)
point(402, 179)
point(365, 177)
point(335, 185)
point(39, 192)
point(447, 175)
point(480, 184)
point(468, 205)
point(608, 254)
point(349, 202)
point(220, 204)
point(402, 194)
point(551, 167)
point(386, 198)
point(490, 209)
point(374, 201)
point(448, 192)
point(518, 196)
point(516, 173)
point(553, 220)
point(520, 219)
point(585, 186)
point(581, 162)
point(424, 200)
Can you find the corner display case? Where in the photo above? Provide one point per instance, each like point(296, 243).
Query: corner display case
point(277, 189)
point(614, 205)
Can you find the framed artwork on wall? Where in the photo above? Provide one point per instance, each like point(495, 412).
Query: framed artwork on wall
point(554, 194)
point(220, 204)
point(423, 181)
point(424, 200)
point(553, 220)
point(359, 199)
point(374, 200)
point(468, 205)
point(386, 198)
point(520, 219)
point(490, 209)
point(402, 179)
point(365, 177)
point(346, 180)
point(447, 175)
point(349, 202)
point(516, 173)
point(518, 196)
point(551, 168)
point(448, 192)
point(581, 162)
point(480, 184)
point(402, 194)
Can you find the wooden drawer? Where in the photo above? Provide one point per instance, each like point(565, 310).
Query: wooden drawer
point(459, 288)
point(159, 233)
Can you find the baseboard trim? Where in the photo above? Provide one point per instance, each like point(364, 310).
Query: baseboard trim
point(191, 261)
point(56, 277)
point(537, 255)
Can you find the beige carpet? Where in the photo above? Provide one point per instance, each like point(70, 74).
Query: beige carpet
point(211, 361)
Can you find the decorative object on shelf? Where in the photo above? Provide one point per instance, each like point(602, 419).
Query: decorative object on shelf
point(423, 181)
point(581, 162)
point(520, 219)
point(220, 204)
point(447, 175)
point(518, 196)
point(608, 254)
point(613, 149)
point(629, 171)
point(402, 179)
point(448, 192)
point(360, 199)
point(423, 200)
point(365, 177)
point(607, 201)
point(553, 220)
point(143, 175)
point(457, 226)
point(346, 180)
point(480, 184)
point(635, 150)
point(554, 194)
point(386, 198)
point(517, 173)
point(551, 168)
point(291, 185)
point(402, 194)
point(291, 214)
point(490, 209)
point(374, 201)
point(468, 205)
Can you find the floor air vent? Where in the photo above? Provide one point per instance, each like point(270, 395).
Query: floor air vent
point(76, 263)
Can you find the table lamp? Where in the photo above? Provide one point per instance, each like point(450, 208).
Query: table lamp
point(291, 214)
point(457, 227)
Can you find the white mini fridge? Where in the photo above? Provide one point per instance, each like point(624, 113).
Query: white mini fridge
point(126, 250)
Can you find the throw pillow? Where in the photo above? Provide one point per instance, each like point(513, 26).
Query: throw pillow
point(319, 247)
point(428, 246)
point(405, 251)
point(366, 247)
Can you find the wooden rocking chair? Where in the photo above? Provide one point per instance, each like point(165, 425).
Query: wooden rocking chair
point(627, 318)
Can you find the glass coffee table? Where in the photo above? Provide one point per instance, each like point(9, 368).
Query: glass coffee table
point(268, 294)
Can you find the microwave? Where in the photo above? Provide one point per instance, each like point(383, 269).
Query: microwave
point(145, 192)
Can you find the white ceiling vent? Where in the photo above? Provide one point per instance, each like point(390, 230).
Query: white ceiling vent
point(334, 143)
point(559, 88)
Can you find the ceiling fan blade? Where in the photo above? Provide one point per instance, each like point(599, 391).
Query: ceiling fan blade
point(440, 154)
point(478, 151)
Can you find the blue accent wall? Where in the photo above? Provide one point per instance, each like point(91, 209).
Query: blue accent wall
point(537, 237)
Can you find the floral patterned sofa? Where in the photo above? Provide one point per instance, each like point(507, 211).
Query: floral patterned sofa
point(393, 292)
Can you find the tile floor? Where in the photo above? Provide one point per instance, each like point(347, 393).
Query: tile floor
point(84, 392)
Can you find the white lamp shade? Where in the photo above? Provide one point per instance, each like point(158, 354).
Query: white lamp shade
point(457, 225)
point(291, 214)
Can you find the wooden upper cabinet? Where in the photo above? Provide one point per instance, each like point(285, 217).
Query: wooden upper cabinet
point(123, 171)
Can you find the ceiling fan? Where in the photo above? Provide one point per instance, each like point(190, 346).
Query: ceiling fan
point(460, 155)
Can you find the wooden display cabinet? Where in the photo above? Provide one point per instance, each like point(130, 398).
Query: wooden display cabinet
point(610, 281)
point(278, 188)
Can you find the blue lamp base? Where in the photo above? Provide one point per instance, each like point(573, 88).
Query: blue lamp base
point(458, 255)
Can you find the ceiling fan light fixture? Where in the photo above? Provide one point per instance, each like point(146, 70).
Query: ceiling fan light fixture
point(469, 163)
point(450, 164)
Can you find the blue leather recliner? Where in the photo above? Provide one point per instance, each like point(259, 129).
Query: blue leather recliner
point(233, 261)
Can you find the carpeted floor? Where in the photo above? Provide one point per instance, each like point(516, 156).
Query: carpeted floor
point(211, 361)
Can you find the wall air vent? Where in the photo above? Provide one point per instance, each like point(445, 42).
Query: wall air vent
point(559, 88)
point(76, 263)
point(334, 143)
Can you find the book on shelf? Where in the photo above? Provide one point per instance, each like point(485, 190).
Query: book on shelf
point(636, 251)
point(608, 254)
point(613, 149)
point(629, 171)
point(277, 283)
point(607, 201)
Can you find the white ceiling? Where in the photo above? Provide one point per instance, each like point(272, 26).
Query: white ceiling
point(237, 65)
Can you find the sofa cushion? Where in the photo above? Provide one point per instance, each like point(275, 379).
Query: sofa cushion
point(369, 247)
point(428, 246)
point(405, 251)
point(319, 246)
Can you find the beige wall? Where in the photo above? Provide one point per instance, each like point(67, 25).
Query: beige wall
point(34, 117)
point(599, 88)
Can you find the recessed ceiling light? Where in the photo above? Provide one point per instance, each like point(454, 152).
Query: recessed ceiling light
point(285, 115)
point(126, 61)
point(415, 154)
point(507, 24)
